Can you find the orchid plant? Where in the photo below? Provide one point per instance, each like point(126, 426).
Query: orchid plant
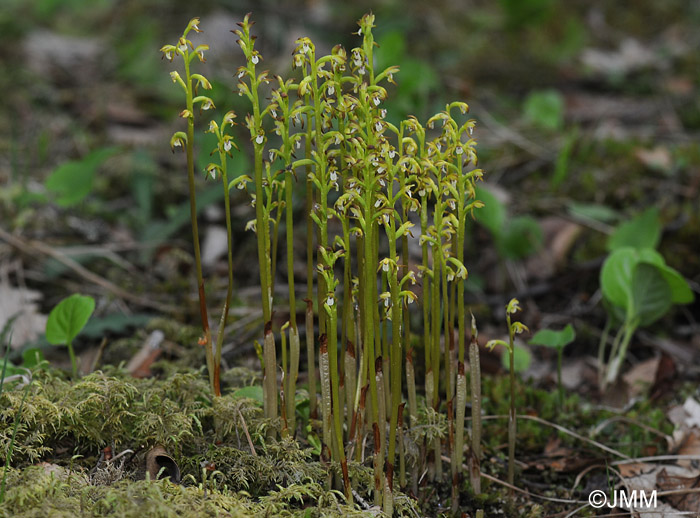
point(369, 185)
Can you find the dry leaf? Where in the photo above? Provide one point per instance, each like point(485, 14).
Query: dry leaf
point(689, 501)
point(22, 304)
point(640, 377)
point(656, 159)
point(159, 465)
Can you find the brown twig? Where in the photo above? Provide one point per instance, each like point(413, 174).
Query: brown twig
point(31, 247)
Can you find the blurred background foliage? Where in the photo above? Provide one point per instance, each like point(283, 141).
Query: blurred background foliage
point(588, 110)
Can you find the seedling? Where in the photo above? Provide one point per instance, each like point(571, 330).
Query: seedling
point(638, 289)
point(516, 237)
point(642, 231)
point(67, 320)
point(557, 340)
point(513, 329)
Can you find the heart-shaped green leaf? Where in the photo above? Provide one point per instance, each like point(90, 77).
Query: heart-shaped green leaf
point(557, 339)
point(651, 294)
point(642, 231)
point(68, 318)
point(493, 214)
point(616, 276)
point(521, 359)
point(72, 181)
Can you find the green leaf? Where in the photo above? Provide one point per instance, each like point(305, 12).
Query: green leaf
point(616, 276)
point(651, 294)
point(557, 339)
point(493, 214)
point(72, 181)
point(32, 357)
point(521, 237)
point(642, 231)
point(68, 318)
point(521, 359)
point(545, 109)
point(592, 211)
point(680, 291)
point(115, 323)
point(254, 392)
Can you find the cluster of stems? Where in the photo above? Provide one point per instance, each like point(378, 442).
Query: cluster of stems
point(369, 184)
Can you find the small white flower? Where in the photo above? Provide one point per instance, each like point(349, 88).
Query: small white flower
point(274, 114)
point(271, 154)
point(377, 203)
point(227, 145)
point(298, 144)
point(387, 301)
point(378, 126)
point(382, 182)
point(362, 70)
point(385, 217)
point(413, 208)
point(385, 266)
point(359, 32)
point(177, 143)
point(305, 47)
point(471, 130)
point(410, 300)
point(207, 105)
point(392, 153)
point(391, 77)
point(212, 173)
point(330, 301)
point(297, 119)
point(241, 186)
point(439, 147)
point(169, 55)
point(182, 47)
point(212, 126)
point(451, 204)
point(421, 192)
point(459, 150)
point(259, 139)
point(195, 27)
point(337, 139)
point(376, 100)
point(450, 276)
point(255, 59)
point(201, 55)
point(408, 193)
point(382, 113)
point(334, 176)
point(331, 90)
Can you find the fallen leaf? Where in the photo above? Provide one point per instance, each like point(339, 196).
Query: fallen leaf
point(689, 501)
point(664, 378)
point(640, 377)
point(656, 159)
point(22, 305)
point(159, 465)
